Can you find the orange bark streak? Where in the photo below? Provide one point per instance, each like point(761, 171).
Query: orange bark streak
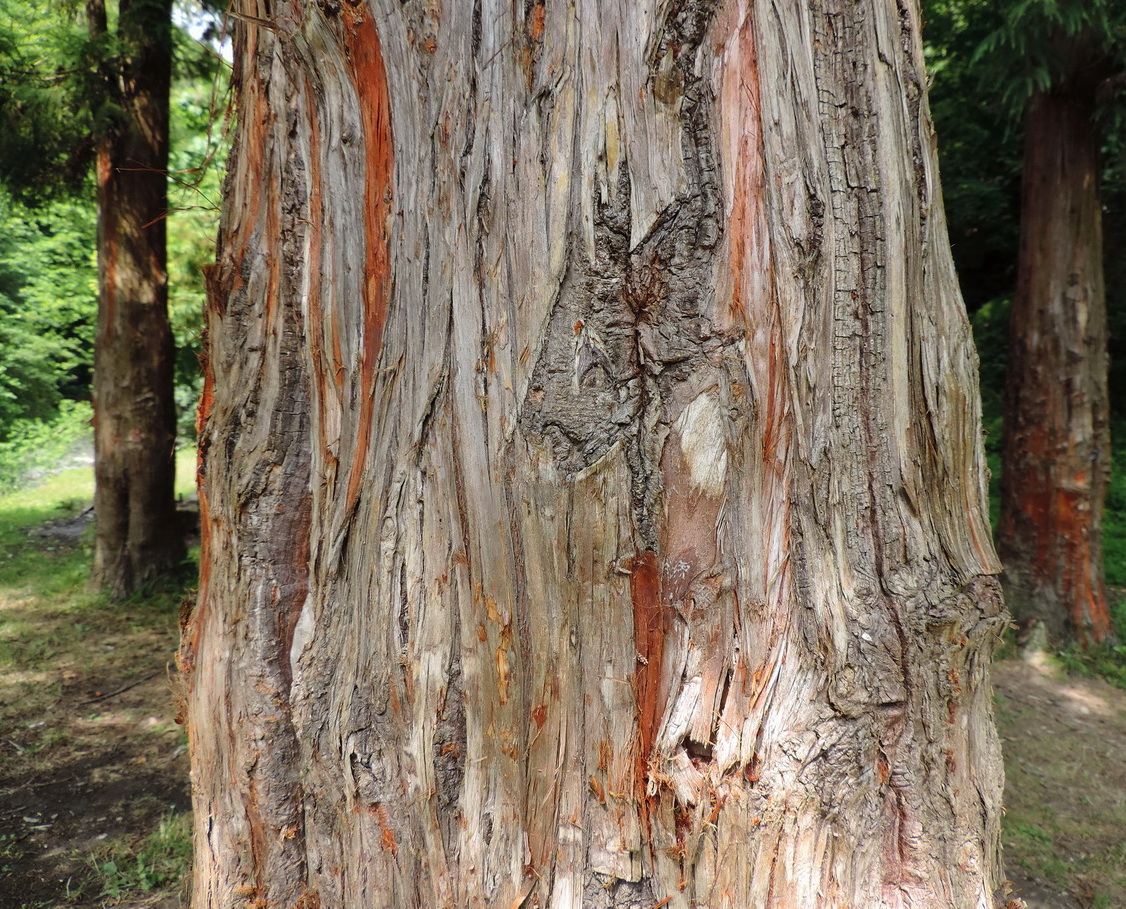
point(365, 58)
point(649, 630)
point(1059, 519)
point(316, 327)
point(109, 240)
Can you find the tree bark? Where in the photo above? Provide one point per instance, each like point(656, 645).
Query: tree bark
point(592, 483)
point(136, 537)
point(1056, 451)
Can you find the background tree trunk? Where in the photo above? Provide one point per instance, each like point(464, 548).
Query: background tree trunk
point(592, 481)
point(1056, 452)
point(134, 413)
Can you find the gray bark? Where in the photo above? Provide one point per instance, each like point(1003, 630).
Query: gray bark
point(593, 486)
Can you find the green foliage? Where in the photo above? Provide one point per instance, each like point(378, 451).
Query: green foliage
point(1114, 525)
point(158, 861)
point(48, 304)
point(34, 445)
point(195, 174)
point(980, 151)
point(991, 336)
point(1042, 43)
point(50, 103)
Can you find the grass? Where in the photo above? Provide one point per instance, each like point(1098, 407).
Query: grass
point(1065, 810)
point(157, 861)
point(60, 642)
point(1114, 523)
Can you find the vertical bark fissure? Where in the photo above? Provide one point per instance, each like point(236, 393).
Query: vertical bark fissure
point(630, 579)
point(256, 487)
point(369, 81)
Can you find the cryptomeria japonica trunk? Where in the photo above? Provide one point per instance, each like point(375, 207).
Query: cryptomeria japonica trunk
point(1056, 463)
point(591, 471)
point(136, 538)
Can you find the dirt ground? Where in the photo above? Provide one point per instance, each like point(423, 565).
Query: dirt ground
point(91, 758)
point(90, 755)
point(1064, 741)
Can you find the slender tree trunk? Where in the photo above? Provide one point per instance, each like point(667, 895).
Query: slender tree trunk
point(134, 412)
point(1056, 456)
point(592, 480)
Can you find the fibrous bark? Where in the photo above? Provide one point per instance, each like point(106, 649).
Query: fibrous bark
point(134, 412)
point(1056, 455)
point(592, 477)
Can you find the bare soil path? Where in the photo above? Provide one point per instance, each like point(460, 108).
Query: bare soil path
point(92, 761)
point(1064, 740)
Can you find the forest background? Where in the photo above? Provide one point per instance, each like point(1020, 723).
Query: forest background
point(48, 273)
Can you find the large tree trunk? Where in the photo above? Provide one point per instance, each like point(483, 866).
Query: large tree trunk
point(1056, 454)
point(136, 537)
point(591, 469)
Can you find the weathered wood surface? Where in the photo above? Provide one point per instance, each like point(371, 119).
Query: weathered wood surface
point(591, 469)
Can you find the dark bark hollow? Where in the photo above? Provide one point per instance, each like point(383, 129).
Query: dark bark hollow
point(137, 537)
point(592, 482)
point(1056, 455)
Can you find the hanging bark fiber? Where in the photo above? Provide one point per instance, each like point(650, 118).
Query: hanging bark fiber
point(592, 475)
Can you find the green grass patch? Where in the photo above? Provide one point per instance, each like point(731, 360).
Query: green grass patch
point(1114, 523)
point(28, 447)
point(158, 861)
point(1107, 661)
point(62, 648)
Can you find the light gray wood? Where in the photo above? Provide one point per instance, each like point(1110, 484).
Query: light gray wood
point(594, 502)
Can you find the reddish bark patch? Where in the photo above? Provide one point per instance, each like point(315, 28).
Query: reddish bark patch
point(369, 78)
point(539, 715)
point(108, 245)
point(1082, 581)
point(750, 256)
point(649, 630)
point(533, 43)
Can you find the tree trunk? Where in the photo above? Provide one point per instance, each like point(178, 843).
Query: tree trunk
point(1056, 454)
point(134, 412)
point(592, 481)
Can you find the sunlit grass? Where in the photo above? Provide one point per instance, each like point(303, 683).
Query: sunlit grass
point(158, 860)
point(60, 643)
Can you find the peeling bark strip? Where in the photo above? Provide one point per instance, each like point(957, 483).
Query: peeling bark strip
point(255, 515)
point(367, 75)
point(601, 524)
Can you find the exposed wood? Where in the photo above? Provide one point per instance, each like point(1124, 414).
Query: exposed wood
point(666, 578)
